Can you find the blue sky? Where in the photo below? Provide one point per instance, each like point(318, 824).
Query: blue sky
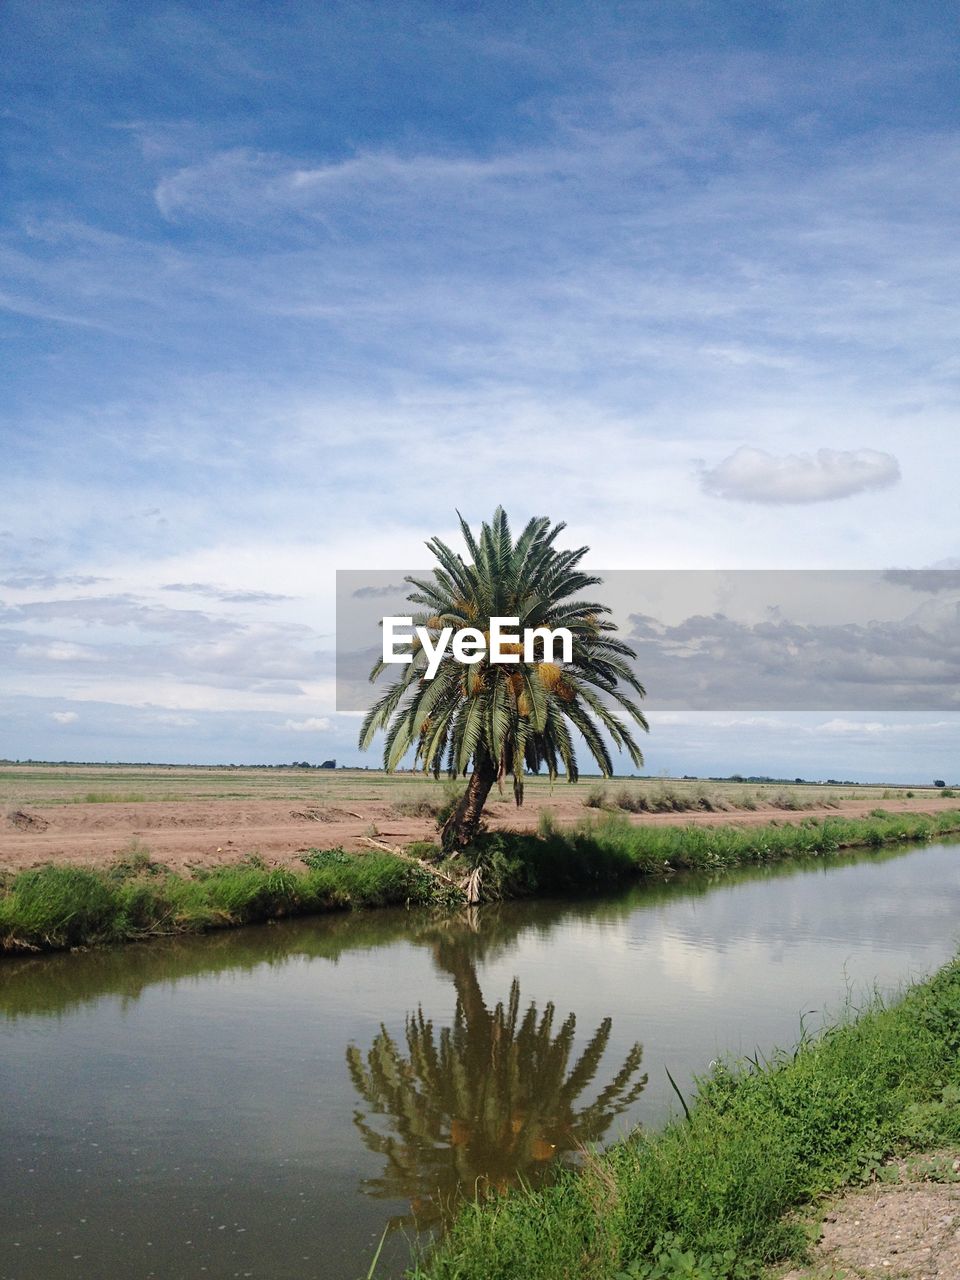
point(283, 285)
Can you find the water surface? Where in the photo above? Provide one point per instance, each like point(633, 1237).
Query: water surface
point(262, 1102)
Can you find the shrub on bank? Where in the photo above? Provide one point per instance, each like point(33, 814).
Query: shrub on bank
point(68, 904)
point(55, 907)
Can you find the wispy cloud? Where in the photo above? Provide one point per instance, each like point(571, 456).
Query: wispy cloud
point(581, 266)
point(312, 724)
point(753, 475)
point(224, 594)
point(376, 593)
point(240, 185)
point(50, 581)
point(58, 651)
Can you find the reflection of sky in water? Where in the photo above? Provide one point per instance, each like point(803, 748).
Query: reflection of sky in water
point(216, 1108)
point(736, 968)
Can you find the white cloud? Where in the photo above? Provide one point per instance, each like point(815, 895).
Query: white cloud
point(313, 724)
point(64, 717)
point(853, 726)
point(60, 651)
point(841, 727)
point(246, 185)
point(753, 475)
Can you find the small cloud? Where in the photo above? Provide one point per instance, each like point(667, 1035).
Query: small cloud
point(374, 593)
point(64, 717)
point(313, 724)
point(223, 594)
point(840, 726)
point(60, 651)
point(251, 597)
point(939, 578)
point(874, 728)
point(753, 475)
point(245, 185)
point(152, 513)
point(47, 581)
point(742, 356)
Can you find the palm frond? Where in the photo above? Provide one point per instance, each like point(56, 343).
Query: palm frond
point(517, 717)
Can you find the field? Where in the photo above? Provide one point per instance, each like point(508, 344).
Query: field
point(189, 817)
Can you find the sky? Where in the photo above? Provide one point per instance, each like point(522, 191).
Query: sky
point(283, 286)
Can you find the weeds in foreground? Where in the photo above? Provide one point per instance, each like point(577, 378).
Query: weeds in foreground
point(673, 1262)
point(940, 1167)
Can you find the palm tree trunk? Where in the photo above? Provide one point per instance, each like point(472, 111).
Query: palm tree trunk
point(461, 828)
point(455, 960)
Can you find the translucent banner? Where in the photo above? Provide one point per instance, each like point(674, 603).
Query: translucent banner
point(730, 640)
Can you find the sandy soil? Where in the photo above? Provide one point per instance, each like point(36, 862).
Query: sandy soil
point(909, 1230)
point(188, 833)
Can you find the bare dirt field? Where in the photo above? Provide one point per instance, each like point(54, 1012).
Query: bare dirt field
point(187, 817)
point(908, 1229)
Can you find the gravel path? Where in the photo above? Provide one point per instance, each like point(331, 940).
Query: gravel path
point(908, 1229)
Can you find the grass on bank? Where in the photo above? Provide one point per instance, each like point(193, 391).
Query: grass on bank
point(608, 851)
point(691, 795)
point(54, 907)
point(666, 797)
point(711, 1197)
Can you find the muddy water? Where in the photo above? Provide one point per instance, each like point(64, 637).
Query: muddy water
point(263, 1102)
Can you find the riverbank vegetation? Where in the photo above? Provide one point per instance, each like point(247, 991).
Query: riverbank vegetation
point(691, 795)
point(53, 907)
point(612, 849)
point(61, 906)
point(670, 797)
point(714, 1195)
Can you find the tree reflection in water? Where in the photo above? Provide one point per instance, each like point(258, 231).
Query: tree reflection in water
point(473, 1107)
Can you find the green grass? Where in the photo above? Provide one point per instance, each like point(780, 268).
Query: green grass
point(712, 1197)
point(666, 797)
point(110, 797)
point(57, 906)
point(602, 853)
point(54, 907)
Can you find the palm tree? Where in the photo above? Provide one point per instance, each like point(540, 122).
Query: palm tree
point(496, 719)
point(476, 1106)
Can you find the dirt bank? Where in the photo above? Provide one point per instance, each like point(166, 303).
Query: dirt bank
point(907, 1230)
point(189, 833)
